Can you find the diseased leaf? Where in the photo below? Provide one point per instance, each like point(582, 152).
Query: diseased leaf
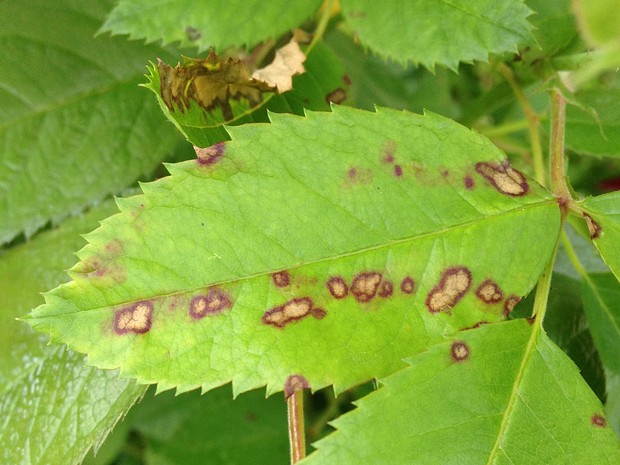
point(190, 428)
point(603, 219)
point(311, 90)
point(74, 125)
point(501, 394)
point(446, 33)
point(287, 63)
point(213, 23)
point(593, 128)
point(329, 247)
point(601, 302)
point(54, 406)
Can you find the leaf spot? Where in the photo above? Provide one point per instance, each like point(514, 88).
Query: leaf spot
point(216, 301)
point(192, 34)
point(210, 155)
point(489, 292)
point(281, 278)
point(469, 182)
point(599, 421)
point(453, 285)
point(336, 96)
point(593, 227)
point(135, 319)
point(407, 285)
point(365, 285)
point(293, 310)
point(510, 303)
point(293, 384)
point(337, 287)
point(398, 171)
point(504, 178)
point(459, 351)
point(386, 289)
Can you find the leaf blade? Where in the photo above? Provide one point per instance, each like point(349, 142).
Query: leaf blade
point(373, 230)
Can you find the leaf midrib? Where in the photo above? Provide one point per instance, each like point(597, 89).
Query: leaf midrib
point(518, 209)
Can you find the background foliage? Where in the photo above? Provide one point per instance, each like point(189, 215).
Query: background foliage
point(77, 129)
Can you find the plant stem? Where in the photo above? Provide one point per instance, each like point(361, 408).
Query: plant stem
point(328, 6)
point(503, 129)
point(296, 433)
point(556, 148)
point(533, 121)
point(572, 256)
point(542, 290)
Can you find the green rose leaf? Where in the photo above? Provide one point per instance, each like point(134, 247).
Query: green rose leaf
point(601, 302)
point(592, 129)
point(74, 124)
point(599, 21)
point(330, 247)
point(49, 395)
point(430, 33)
point(502, 393)
point(213, 23)
point(602, 214)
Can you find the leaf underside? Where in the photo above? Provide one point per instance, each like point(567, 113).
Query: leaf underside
point(445, 32)
point(499, 394)
point(329, 246)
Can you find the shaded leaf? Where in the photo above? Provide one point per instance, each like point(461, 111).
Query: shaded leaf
point(329, 246)
point(502, 393)
point(566, 325)
point(74, 125)
point(603, 220)
point(191, 428)
point(430, 33)
point(593, 128)
point(54, 407)
point(601, 302)
point(214, 23)
point(554, 27)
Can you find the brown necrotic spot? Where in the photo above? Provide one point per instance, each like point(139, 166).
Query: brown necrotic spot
point(453, 285)
point(210, 155)
point(365, 285)
point(136, 318)
point(598, 420)
point(407, 285)
point(459, 351)
point(281, 278)
point(346, 79)
point(504, 178)
point(469, 182)
point(337, 96)
point(489, 292)
point(214, 302)
point(386, 289)
point(318, 313)
point(510, 303)
point(398, 171)
point(337, 287)
point(192, 34)
point(295, 383)
point(593, 227)
point(293, 310)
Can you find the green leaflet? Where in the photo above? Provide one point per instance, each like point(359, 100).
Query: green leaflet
point(214, 23)
point(593, 128)
point(54, 406)
point(601, 302)
point(430, 33)
point(74, 124)
point(599, 21)
point(329, 246)
point(500, 394)
point(603, 219)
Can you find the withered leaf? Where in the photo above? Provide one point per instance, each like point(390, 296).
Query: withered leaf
point(210, 82)
point(287, 63)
